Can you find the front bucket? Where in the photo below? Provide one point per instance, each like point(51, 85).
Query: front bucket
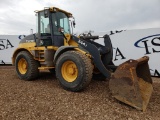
point(132, 84)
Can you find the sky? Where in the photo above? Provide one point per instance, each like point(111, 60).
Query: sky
point(17, 17)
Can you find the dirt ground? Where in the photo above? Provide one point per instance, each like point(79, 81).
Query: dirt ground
point(44, 99)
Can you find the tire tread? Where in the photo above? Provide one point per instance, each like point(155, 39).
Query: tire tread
point(33, 67)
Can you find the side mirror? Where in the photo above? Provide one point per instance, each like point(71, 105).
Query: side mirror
point(74, 24)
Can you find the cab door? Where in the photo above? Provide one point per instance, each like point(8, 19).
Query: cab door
point(44, 30)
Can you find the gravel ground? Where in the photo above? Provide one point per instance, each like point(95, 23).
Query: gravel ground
point(44, 99)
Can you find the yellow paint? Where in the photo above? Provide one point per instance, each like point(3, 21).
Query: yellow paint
point(69, 41)
point(45, 68)
point(57, 9)
point(22, 66)
point(25, 45)
point(69, 71)
point(15, 53)
point(30, 47)
point(87, 54)
point(72, 43)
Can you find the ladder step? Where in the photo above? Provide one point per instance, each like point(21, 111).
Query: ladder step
point(41, 56)
point(41, 60)
point(44, 68)
point(41, 52)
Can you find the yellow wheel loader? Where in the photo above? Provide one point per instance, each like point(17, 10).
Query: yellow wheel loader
point(75, 60)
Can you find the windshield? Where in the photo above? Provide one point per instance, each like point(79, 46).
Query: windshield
point(60, 20)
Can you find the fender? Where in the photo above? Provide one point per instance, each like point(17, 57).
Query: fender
point(61, 50)
point(16, 53)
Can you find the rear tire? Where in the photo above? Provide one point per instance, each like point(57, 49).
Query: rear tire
point(26, 66)
point(74, 70)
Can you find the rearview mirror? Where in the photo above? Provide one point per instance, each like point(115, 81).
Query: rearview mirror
point(74, 24)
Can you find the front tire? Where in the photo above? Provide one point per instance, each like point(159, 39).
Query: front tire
point(74, 70)
point(26, 66)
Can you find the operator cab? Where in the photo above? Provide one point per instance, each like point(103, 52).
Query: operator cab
point(50, 22)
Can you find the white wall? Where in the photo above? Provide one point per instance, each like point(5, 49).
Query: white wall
point(127, 44)
point(133, 44)
point(8, 43)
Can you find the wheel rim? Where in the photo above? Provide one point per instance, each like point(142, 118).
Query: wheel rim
point(69, 71)
point(22, 66)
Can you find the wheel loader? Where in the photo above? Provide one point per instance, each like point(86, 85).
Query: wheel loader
point(77, 60)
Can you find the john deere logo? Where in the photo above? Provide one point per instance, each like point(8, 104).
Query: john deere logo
point(151, 44)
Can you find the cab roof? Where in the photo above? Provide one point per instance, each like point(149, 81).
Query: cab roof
point(54, 9)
